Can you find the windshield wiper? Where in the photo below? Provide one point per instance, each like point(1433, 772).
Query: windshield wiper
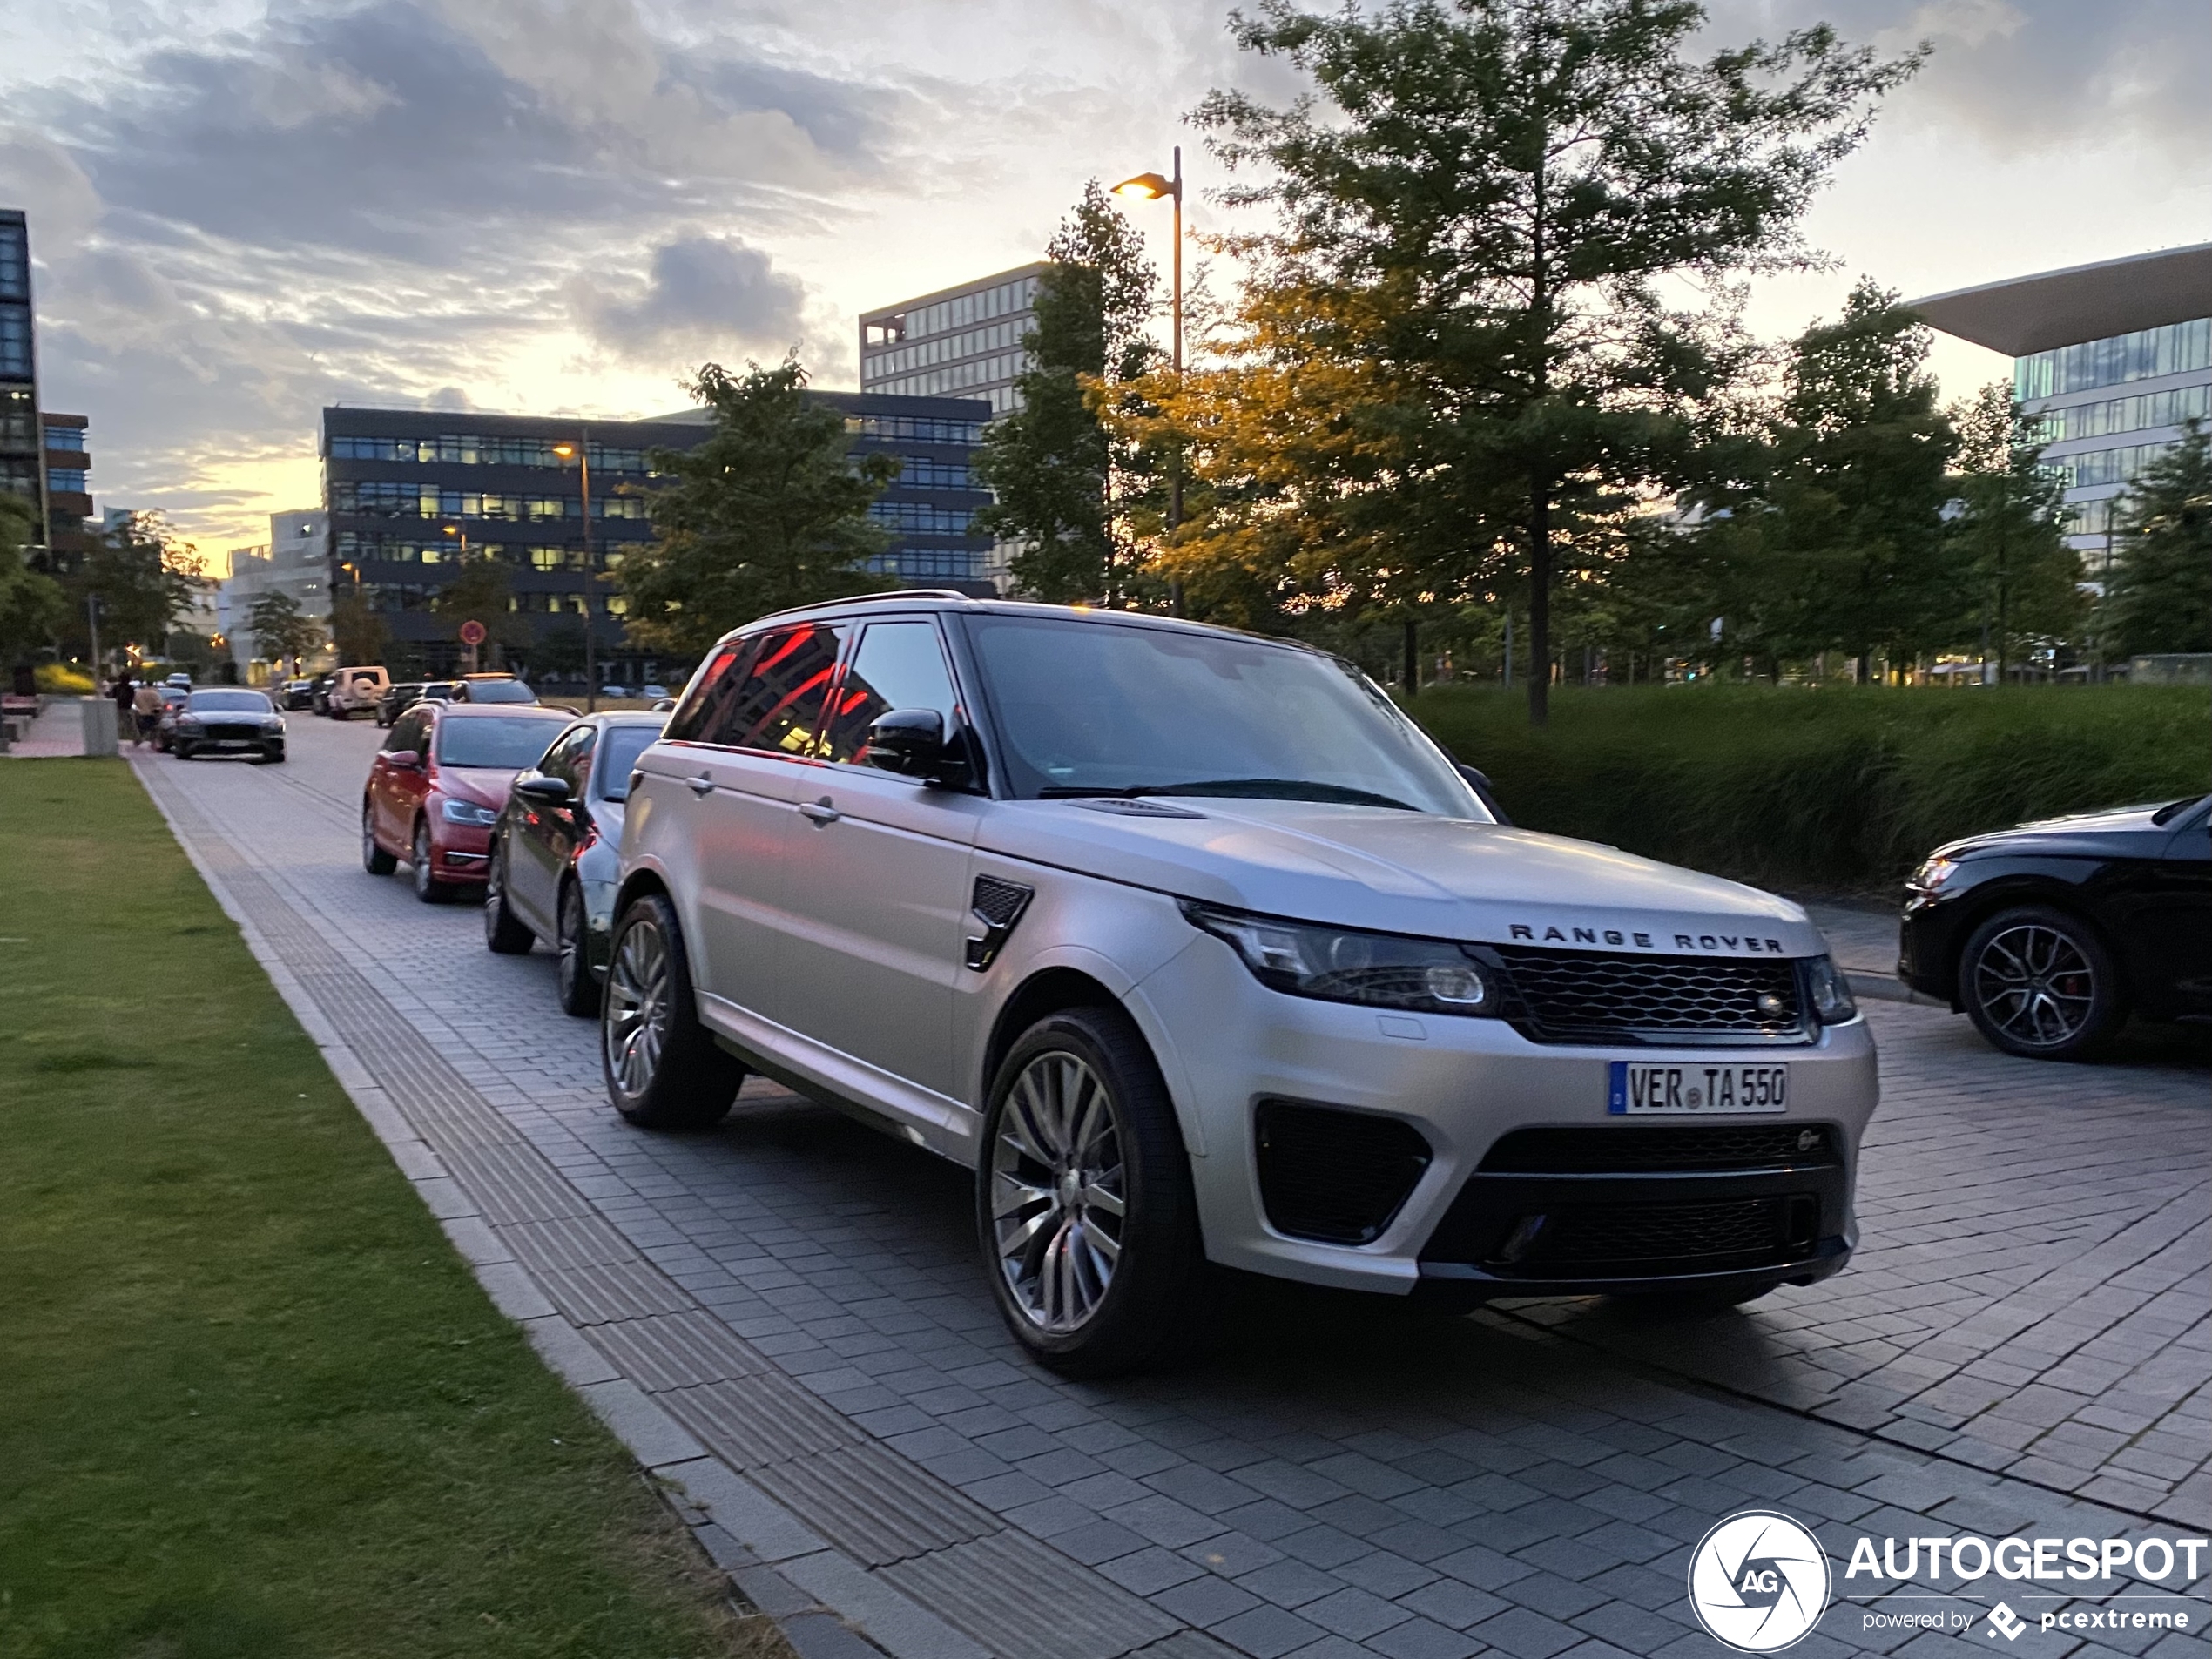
point(1244, 788)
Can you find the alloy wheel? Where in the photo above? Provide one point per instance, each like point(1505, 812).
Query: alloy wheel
point(1058, 1192)
point(635, 1025)
point(569, 941)
point(2035, 984)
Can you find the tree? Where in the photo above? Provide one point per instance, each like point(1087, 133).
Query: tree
point(480, 589)
point(31, 605)
point(2011, 527)
point(143, 578)
point(2160, 597)
point(1060, 482)
point(279, 632)
point(357, 633)
point(770, 511)
point(1511, 182)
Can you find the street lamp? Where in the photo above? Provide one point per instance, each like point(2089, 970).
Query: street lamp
point(582, 451)
point(1150, 186)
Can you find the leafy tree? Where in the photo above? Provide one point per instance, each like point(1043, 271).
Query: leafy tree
point(2011, 527)
point(357, 633)
point(1508, 184)
point(143, 578)
point(481, 589)
point(559, 649)
point(1061, 486)
point(31, 605)
point(279, 632)
point(2161, 598)
point(770, 511)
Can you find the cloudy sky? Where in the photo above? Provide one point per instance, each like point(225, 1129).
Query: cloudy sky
point(243, 211)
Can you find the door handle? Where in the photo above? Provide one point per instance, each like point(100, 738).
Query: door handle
point(819, 811)
point(702, 784)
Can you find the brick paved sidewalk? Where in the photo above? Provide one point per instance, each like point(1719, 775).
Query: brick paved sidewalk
point(788, 1317)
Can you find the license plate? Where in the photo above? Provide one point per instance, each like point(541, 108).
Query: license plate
point(1636, 1090)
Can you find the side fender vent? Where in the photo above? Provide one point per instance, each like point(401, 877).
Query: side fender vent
point(998, 905)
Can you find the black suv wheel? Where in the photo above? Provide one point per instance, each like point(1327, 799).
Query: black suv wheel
point(2040, 983)
point(663, 1069)
point(1084, 1205)
point(579, 989)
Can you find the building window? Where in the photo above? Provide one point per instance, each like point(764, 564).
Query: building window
point(2106, 466)
point(15, 261)
point(2125, 413)
point(915, 428)
point(916, 516)
point(2175, 349)
point(67, 438)
point(14, 342)
point(466, 450)
point(66, 480)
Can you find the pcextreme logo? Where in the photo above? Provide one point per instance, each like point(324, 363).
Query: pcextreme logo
point(1758, 1581)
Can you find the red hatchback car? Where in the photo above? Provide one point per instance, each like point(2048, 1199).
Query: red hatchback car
point(436, 786)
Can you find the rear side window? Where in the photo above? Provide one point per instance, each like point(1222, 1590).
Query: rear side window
point(899, 665)
point(570, 759)
point(778, 703)
point(705, 703)
point(407, 731)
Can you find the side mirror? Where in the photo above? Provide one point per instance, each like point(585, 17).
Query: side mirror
point(1479, 782)
point(404, 760)
point(911, 742)
point(553, 791)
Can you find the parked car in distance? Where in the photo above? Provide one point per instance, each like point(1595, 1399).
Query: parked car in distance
point(165, 729)
point(396, 696)
point(556, 850)
point(614, 690)
point(318, 697)
point(228, 720)
point(1195, 950)
point(182, 682)
point(355, 689)
point(2049, 935)
point(295, 695)
point(652, 691)
point(492, 688)
point(436, 786)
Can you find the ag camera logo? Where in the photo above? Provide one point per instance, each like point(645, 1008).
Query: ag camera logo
point(1758, 1581)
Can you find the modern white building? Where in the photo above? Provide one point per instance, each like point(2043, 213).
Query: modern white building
point(295, 561)
point(962, 342)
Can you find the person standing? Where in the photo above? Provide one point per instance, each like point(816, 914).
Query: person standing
point(147, 704)
point(126, 714)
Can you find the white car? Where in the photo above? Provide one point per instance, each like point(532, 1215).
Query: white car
point(1195, 950)
point(355, 689)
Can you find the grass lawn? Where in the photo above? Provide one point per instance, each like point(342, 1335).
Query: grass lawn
point(251, 1402)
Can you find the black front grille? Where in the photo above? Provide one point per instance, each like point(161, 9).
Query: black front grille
point(231, 733)
point(1335, 1175)
point(1572, 996)
point(1632, 1239)
point(1632, 1150)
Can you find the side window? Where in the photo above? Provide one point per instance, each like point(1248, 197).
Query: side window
point(570, 759)
point(408, 731)
point(706, 703)
point(899, 665)
point(778, 704)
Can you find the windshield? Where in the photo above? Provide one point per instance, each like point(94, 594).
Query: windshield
point(229, 702)
point(1098, 709)
point(619, 747)
point(500, 691)
point(509, 742)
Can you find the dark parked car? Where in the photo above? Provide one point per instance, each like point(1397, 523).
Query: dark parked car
point(436, 786)
point(555, 850)
point(492, 688)
point(319, 693)
point(296, 694)
point(229, 721)
point(398, 699)
point(164, 730)
point(2050, 935)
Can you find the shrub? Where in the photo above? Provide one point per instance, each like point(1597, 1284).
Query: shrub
point(1837, 788)
point(57, 679)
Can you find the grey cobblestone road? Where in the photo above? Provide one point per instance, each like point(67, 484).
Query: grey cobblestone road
point(788, 1317)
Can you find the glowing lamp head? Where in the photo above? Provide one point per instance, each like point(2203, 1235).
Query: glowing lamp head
point(1146, 186)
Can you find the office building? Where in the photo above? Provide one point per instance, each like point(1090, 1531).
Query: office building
point(295, 561)
point(2112, 358)
point(962, 342)
point(22, 441)
point(406, 491)
point(68, 463)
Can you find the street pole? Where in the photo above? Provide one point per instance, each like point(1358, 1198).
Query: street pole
point(591, 576)
point(1175, 481)
point(92, 621)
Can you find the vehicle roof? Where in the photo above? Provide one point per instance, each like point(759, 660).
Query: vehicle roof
point(625, 717)
point(944, 599)
point(491, 711)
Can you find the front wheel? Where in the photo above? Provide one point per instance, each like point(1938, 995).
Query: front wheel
point(1084, 1208)
point(2039, 982)
point(374, 858)
point(663, 1069)
point(428, 888)
point(579, 990)
point(504, 935)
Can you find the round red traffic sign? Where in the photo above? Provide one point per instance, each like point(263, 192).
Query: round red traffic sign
point(472, 633)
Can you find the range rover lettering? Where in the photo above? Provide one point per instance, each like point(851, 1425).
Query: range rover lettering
point(1195, 950)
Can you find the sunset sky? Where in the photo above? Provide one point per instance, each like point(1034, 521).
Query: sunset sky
point(243, 211)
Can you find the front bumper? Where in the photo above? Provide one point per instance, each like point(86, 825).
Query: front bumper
point(460, 854)
point(1927, 945)
point(1231, 1047)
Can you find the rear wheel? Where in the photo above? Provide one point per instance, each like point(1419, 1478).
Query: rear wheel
point(579, 990)
point(374, 858)
point(428, 888)
point(663, 1069)
point(1085, 1209)
point(504, 933)
point(2039, 982)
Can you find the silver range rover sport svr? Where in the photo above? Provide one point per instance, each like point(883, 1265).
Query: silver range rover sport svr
point(1195, 950)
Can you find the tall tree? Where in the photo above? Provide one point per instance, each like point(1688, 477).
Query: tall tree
point(357, 633)
point(481, 589)
point(770, 511)
point(1515, 180)
point(141, 576)
point(1063, 487)
point(279, 632)
point(2161, 584)
point(2011, 527)
point(31, 605)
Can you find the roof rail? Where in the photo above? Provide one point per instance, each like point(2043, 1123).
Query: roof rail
point(871, 598)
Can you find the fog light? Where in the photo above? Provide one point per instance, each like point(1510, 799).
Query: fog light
point(1463, 987)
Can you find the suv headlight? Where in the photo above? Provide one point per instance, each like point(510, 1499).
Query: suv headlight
point(1345, 965)
point(1829, 992)
point(466, 812)
point(1932, 873)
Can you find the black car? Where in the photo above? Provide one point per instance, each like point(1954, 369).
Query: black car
point(396, 699)
point(492, 688)
point(2050, 935)
point(555, 849)
point(164, 729)
point(228, 720)
point(295, 695)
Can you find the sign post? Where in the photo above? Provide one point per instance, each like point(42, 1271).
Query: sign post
point(472, 635)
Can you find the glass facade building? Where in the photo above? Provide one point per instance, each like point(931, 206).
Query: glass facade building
point(22, 440)
point(963, 341)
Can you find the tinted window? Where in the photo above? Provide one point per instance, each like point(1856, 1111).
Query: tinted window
point(619, 747)
point(778, 704)
point(507, 742)
point(407, 731)
point(705, 705)
point(1100, 708)
point(230, 703)
point(899, 665)
point(500, 691)
point(570, 759)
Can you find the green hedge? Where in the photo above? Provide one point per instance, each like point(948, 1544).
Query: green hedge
point(1832, 789)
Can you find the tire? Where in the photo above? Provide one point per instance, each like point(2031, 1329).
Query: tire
point(2039, 982)
point(183, 752)
point(428, 888)
point(663, 1069)
point(1080, 1123)
point(374, 858)
point(504, 935)
point(579, 990)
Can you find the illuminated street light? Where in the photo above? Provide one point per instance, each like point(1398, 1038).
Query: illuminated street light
point(1152, 186)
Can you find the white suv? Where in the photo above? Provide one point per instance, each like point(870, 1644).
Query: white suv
point(1194, 950)
point(355, 689)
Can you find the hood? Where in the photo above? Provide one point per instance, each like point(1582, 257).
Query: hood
point(486, 785)
point(2076, 831)
point(1403, 871)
